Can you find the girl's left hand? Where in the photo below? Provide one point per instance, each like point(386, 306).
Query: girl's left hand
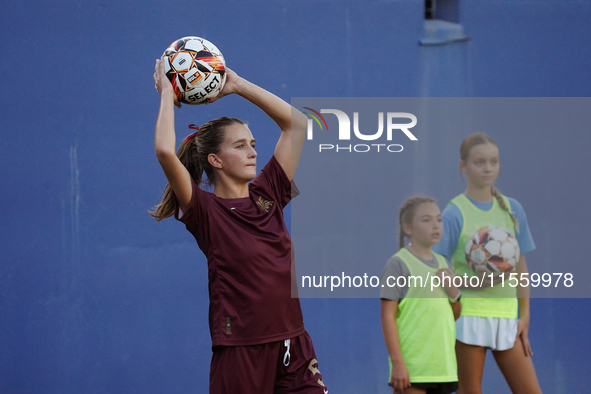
point(445, 272)
point(522, 333)
point(231, 86)
point(447, 276)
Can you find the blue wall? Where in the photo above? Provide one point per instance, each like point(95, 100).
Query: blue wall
point(97, 298)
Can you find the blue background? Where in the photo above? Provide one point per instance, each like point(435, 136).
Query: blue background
point(97, 298)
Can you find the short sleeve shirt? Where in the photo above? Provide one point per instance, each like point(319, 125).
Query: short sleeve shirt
point(249, 258)
point(395, 268)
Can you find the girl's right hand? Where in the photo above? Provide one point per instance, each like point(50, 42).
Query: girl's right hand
point(162, 83)
point(230, 87)
point(400, 379)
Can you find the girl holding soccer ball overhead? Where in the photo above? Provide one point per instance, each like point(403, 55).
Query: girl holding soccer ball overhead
point(493, 317)
point(259, 341)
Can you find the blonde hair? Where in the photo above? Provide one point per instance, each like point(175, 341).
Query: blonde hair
point(407, 213)
point(478, 139)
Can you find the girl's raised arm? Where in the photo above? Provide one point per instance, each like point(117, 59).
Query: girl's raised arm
point(165, 140)
point(291, 121)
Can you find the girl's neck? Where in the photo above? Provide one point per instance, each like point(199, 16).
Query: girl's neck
point(224, 190)
point(480, 194)
point(421, 251)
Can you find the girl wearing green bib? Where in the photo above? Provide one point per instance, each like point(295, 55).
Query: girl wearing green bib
point(496, 317)
point(418, 322)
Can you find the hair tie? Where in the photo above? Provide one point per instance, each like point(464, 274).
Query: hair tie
point(190, 136)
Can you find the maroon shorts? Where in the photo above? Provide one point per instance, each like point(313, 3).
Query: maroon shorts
point(288, 366)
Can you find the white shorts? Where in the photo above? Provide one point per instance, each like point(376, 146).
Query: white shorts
point(490, 332)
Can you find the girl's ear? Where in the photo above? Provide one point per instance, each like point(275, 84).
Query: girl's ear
point(407, 229)
point(214, 160)
point(462, 165)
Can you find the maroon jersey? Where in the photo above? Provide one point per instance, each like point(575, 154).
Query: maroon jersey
point(249, 253)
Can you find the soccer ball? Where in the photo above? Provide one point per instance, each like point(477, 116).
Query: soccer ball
point(492, 249)
point(196, 69)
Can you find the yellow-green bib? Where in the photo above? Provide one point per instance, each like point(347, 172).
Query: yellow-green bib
point(426, 327)
point(496, 301)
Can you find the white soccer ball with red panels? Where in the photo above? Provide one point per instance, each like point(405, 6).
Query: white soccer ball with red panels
point(492, 249)
point(196, 68)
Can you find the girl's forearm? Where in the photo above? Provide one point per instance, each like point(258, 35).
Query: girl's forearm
point(276, 108)
point(164, 135)
point(523, 292)
point(391, 338)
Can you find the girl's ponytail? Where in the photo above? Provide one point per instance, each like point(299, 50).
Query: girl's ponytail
point(499, 198)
